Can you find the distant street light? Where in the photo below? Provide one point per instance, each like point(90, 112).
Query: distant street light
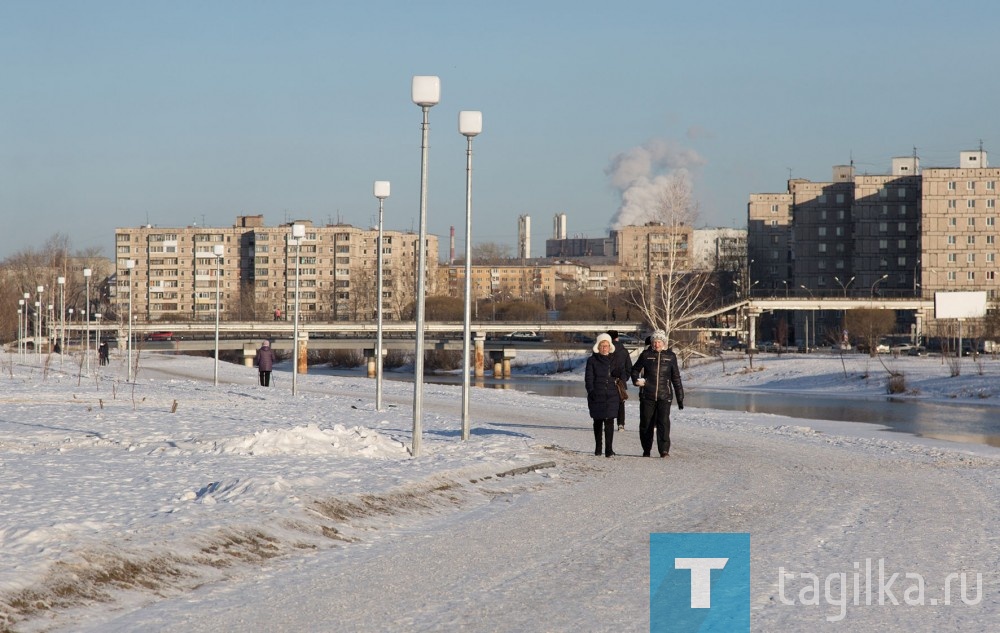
point(470, 123)
point(381, 190)
point(38, 329)
point(877, 281)
point(97, 317)
point(62, 318)
point(218, 250)
point(298, 234)
point(843, 286)
point(20, 327)
point(129, 266)
point(786, 287)
point(425, 91)
point(86, 355)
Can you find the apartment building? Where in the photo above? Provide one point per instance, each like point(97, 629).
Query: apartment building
point(174, 273)
point(906, 233)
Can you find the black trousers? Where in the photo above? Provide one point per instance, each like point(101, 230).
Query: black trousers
point(654, 417)
point(265, 378)
point(609, 435)
point(621, 413)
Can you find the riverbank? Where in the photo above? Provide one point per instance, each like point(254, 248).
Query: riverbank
point(308, 512)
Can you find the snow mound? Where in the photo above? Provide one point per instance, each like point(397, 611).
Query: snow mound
point(312, 440)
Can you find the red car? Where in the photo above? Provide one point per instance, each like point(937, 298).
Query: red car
point(160, 336)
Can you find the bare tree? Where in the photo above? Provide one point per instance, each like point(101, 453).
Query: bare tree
point(486, 253)
point(674, 296)
point(870, 325)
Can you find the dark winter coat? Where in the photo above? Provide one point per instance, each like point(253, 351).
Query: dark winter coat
point(602, 395)
point(264, 360)
point(662, 374)
point(623, 359)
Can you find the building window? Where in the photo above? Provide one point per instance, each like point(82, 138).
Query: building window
point(821, 247)
point(822, 214)
point(971, 275)
point(953, 204)
point(951, 275)
point(971, 240)
point(821, 231)
point(902, 192)
point(951, 185)
point(840, 231)
point(970, 258)
point(885, 209)
point(883, 227)
point(952, 221)
point(883, 193)
point(840, 264)
point(952, 258)
point(991, 239)
point(841, 214)
point(821, 264)
point(991, 185)
point(991, 221)
point(883, 244)
point(989, 275)
point(971, 185)
point(990, 257)
point(901, 244)
point(774, 223)
point(901, 227)
point(774, 208)
point(952, 240)
point(902, 210)
point(971, 204)
point(840, 198)
point(972, 222)
point(821, 198)
point(901, 261)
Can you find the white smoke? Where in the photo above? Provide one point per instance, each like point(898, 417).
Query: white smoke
point(643, 175)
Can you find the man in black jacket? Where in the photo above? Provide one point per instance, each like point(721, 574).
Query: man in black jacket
point(623, 359)
point(658, 377)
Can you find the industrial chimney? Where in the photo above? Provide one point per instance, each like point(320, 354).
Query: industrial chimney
point(524, 237)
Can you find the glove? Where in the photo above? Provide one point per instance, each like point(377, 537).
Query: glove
point(680, 405)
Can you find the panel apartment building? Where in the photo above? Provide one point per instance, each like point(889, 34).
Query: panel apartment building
point(176, 272)
point(911, 232)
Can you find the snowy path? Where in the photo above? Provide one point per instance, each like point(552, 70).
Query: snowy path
point(572, 554)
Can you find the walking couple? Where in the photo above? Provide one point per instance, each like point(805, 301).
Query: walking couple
point(658, 377)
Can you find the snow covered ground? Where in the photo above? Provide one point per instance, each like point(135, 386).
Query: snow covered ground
point(174, 505)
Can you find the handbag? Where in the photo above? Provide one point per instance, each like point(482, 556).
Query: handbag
point(622, 389)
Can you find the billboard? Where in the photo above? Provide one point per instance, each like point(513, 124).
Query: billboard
point(959, 305)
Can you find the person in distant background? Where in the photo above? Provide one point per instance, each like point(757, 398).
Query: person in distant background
point(103, 353)
point(264, 362)
point(625, 360)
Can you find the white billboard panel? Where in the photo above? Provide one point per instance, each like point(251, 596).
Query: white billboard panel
point(959, 305)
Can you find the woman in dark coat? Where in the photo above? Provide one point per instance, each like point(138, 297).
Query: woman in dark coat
point(264, 362)
point(602, 394)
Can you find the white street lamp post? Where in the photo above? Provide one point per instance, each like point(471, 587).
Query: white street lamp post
point(20, 327)
point(470, 123)
point(38, 322)
point(129, 267)
point(381, 189)
point(86, 354)
point(218, 250)
point(97, 317)
point(62, 317)
point(425, 91)
point(298, 234)
point(38, 329)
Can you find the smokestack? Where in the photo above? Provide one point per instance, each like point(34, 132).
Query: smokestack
point(524, 236)
point(559, 226)
point(451, 250)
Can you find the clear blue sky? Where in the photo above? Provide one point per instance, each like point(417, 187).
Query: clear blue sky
point(173, 113)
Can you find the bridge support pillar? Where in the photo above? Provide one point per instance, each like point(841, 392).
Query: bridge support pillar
point(480, 353)
point(249, 351)
point(501, 362)
point(369, 353)
point(303, 344)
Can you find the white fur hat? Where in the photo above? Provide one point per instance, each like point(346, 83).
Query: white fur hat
point(603, 337)
point(659, 335)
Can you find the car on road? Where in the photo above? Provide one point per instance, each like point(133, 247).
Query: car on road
point(160, 336)
point(527, 336)
point(625, 339)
